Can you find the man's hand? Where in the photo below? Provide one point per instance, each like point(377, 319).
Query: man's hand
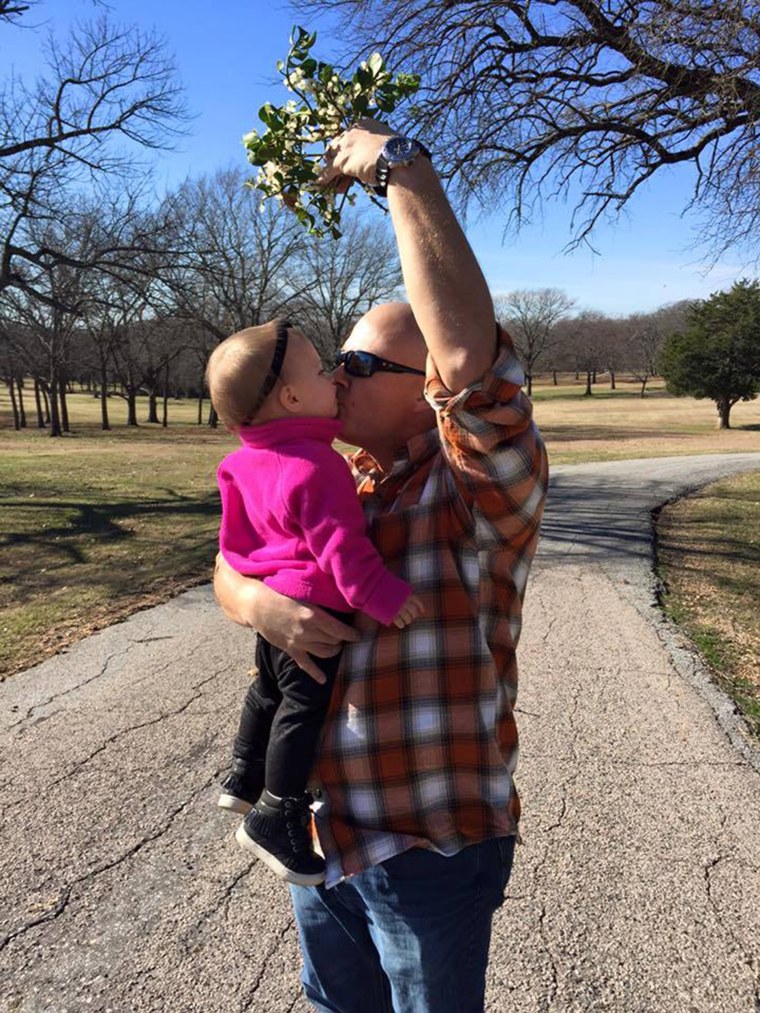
point(353, 155)
point(302, 630)
point(298, 629)
point(411, 609)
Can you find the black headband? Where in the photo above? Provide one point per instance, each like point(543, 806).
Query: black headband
point(280, 348)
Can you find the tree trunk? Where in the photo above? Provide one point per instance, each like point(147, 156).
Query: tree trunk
point(165, 413)
point(48, 417)
point(55, 417)
point(64, 405)
point(594, 380)
point(38, 405)
point(554, 377)
point(213, 418)
point(131, 408)
point(643, 385)
point(612, 380)
point(152, 405)
point(724, 412)
point(529, 382)
point(21, 409)
point(105, 424)
point(587, 392)
point(14, 406)
point(200, 409)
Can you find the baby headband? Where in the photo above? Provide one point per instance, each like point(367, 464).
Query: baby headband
point(280, 348)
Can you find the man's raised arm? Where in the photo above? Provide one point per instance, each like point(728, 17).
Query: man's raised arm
point(445, 286)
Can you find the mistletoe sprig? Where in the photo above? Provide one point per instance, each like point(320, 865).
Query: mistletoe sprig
point(288, 153)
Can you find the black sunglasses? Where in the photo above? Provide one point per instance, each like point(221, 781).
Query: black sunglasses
point(365, 364)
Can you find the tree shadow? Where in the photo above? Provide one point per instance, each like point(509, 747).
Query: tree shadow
point(562, 434)
point(88, 527)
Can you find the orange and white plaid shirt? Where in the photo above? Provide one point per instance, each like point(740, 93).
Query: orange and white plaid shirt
point(420, 742)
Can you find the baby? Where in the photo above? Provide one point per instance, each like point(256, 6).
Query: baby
point(291, 517)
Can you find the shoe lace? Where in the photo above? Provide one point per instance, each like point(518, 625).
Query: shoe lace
point(296, 812)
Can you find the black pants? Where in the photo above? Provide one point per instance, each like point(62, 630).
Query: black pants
point(282, 716)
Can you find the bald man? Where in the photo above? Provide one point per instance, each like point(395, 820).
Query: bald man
point(418, 813)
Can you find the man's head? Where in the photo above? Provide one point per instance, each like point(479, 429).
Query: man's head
point(384, 411)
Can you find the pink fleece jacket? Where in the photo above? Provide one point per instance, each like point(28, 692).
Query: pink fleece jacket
point(291, 516)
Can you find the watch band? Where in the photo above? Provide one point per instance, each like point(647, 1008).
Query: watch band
point(383, 169)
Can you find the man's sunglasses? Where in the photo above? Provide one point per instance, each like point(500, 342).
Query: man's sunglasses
point(365, 364)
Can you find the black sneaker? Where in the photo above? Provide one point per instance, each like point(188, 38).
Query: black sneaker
point(242, 787)
point(277, 832)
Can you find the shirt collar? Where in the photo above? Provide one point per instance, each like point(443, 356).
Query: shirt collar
point(407, 459)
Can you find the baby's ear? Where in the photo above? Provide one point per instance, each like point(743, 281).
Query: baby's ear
point(288, 398)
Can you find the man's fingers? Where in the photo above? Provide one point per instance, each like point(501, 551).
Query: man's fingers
point(323, 649)
point(309, 666)
point(332, 628)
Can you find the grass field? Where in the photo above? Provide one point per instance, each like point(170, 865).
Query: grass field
point(619, 425)
point(98, 524)
point(709, 556)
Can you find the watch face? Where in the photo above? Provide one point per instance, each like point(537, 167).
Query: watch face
point(401, 150)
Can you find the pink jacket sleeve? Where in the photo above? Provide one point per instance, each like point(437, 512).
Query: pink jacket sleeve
point(325, 505)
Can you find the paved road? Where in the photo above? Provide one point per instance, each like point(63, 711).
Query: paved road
point(637, 890)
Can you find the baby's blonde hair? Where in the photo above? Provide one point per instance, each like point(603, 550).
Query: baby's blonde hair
point(238, 370)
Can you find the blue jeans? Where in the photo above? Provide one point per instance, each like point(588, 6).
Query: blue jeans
point(408, 936)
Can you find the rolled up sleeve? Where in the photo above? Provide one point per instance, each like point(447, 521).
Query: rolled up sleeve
point(494, 450)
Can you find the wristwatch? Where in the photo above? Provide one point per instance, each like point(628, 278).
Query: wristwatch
point(396, 151)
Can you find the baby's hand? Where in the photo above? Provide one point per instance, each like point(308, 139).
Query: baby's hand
point(409, 611)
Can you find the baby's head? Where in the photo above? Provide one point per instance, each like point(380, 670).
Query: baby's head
point(269, 372)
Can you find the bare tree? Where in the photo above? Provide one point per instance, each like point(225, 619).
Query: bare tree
point(646, 334)
point(43, 330)
point(582, 99)
point(109, 93)
point(235, 263)
point(585, 337)
point(645, 339)
point(343, 280)
point(615, 349)
point(531, 316)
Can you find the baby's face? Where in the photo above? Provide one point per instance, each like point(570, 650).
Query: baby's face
point(303, 370)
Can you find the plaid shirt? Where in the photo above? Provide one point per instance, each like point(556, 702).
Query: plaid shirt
point(420, 742)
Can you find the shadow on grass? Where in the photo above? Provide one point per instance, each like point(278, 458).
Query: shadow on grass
point(564, 434)
point(90, 527)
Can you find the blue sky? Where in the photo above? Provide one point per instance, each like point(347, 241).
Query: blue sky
point(226, 54)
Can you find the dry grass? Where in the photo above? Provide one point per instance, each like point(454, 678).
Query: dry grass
point(97, 525)
point(709, 551)
point(619, 425)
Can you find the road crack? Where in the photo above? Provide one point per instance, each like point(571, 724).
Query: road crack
point(247, 999)
point(727, 925)
point(64, 897)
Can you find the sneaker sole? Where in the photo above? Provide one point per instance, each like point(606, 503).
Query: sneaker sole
point(235, 804)
point(297, 878)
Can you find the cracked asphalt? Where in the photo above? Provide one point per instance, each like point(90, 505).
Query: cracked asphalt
point(638, 886)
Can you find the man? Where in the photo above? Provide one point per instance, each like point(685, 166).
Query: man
point(419, 812)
